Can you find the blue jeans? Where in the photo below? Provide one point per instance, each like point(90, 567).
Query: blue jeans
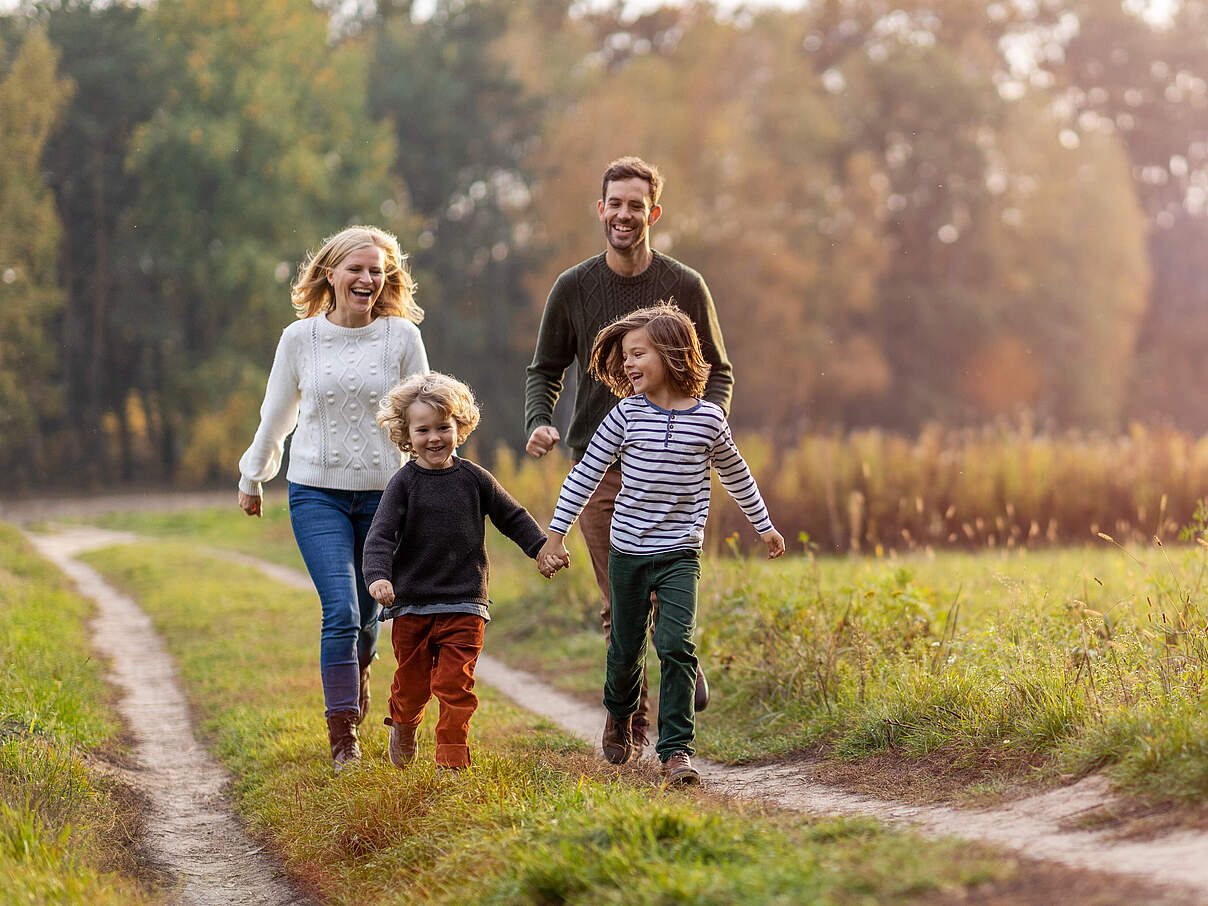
point(330, 527)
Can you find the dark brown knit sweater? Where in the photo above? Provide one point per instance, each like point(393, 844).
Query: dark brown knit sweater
point(590, 296)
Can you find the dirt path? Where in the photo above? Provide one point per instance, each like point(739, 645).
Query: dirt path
point(191, 834)
point(1037, 827)
point(187, 820)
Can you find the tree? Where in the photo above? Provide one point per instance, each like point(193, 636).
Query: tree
point(262, 146)
point(108, 55)
point(31, 100)
point(464, 126)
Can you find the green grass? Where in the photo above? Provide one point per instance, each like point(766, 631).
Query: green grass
point(537, 820)
point(1001, 665)
point(67, 830)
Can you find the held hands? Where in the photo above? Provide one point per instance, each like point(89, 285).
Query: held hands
point(553, 556)
point(250, 503)
point(382, 591)
point(775, 543)
point(542, 440)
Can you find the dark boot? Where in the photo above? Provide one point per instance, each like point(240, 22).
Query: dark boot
point(701, 698)
point(363, 697)
point(403, 746)
point(618, 740)
point(639, 729)
point(342, 735)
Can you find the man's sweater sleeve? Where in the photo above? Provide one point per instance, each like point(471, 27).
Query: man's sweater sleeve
point(698, 304)
point(553, 355)
point(380, 544)
point(508, 516)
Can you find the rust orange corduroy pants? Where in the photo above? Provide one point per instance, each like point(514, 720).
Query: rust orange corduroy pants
point(436, 656)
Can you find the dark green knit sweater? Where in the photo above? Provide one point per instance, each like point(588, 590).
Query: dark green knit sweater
point(590, 296)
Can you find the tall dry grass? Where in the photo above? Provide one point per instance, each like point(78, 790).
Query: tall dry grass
point(871, 491)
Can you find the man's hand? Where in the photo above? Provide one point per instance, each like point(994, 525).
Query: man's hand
point(250, 503)
point(542, 440)
point(775, 542)
point(383, 592)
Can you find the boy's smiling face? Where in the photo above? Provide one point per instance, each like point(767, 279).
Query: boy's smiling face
point(433, 436)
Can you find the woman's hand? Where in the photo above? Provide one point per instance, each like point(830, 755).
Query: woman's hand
point(250, 503)
point(775, 542)
point(383, 592)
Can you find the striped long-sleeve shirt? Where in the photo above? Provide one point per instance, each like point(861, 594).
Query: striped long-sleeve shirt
point(665, 458)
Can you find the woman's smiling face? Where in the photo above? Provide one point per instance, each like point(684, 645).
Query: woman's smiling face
point(356, 283)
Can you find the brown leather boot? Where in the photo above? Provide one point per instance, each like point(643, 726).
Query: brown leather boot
point(403, 745)
point(342, 735)
point(618, 740)
point(678, 769)
point(363, 696)
point(639, 727)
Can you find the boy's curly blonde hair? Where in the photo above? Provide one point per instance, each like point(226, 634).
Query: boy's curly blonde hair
point(447, 395)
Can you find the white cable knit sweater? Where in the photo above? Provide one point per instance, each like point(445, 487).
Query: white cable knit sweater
point(326, 380)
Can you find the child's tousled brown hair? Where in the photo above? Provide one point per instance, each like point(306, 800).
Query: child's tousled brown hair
point(673, 336)
point(447, 395)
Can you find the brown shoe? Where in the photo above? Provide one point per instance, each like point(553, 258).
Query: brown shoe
point(342, 735)
point(639, 727)
point(677, 769)
point(701, 696)
point(618, 740)
point(403, 744)
point(363, 697)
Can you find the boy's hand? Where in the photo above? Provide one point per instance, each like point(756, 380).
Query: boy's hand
point(775, 542)
point(383, 592)
point(553, 556)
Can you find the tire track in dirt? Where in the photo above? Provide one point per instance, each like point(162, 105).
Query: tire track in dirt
point(191, 833)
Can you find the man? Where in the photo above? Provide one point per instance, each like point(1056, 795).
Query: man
point(627, 276)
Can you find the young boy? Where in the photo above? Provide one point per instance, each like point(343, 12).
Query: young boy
point(425, 561)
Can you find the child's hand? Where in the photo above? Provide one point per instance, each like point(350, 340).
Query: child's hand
point(775, 542)
point(383, 592)
point(551, 564)
point(553, 556)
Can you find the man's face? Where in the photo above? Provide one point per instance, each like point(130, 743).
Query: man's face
point(626, 213)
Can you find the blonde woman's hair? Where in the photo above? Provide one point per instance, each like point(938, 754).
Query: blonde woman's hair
point(447, 395)
point(673, 336)
point(312, 293)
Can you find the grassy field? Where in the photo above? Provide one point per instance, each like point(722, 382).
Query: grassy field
point(67, 830)
point(987, 667)
point(537, 820)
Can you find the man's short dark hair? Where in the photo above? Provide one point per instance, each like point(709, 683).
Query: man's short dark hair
point(629, 168)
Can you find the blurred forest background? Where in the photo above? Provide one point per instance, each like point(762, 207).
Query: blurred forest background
point(914, 217)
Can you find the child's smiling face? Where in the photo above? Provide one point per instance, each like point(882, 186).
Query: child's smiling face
point(643, 365)
point(433, 436)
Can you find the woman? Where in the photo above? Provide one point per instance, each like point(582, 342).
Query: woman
point(356, 338)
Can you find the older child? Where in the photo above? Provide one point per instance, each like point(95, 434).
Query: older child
point(426, 563)
point(666, 438)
